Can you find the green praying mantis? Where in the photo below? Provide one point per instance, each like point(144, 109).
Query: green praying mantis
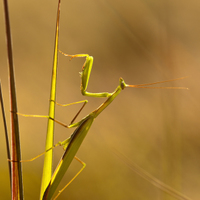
point(72, 144)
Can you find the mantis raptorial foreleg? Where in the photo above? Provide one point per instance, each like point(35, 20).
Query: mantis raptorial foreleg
point(86, 71)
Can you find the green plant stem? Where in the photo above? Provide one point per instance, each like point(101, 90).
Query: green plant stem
point(47, 168)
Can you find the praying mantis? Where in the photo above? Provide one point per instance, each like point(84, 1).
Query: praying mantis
point(72, 144)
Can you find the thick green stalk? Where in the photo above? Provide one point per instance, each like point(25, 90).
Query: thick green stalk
point(47, 168)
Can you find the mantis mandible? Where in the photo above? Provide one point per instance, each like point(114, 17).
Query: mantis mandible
point(72, 144)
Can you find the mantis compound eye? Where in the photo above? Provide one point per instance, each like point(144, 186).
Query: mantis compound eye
point(122, 83)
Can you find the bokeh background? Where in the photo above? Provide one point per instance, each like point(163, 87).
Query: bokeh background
point(158, 130)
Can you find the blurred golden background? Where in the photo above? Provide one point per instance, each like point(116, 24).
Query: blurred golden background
point(141, 41)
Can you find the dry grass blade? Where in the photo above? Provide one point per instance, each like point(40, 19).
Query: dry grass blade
point(16, 169)
point(6, 132)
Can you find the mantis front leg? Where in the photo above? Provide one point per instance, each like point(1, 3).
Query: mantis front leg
point(85, 75)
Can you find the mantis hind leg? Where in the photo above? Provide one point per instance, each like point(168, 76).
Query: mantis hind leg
point(84, 165)
point(63, 143)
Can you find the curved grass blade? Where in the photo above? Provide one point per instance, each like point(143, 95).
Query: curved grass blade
point(16, 168)
point(47, 168)
point(148, 177)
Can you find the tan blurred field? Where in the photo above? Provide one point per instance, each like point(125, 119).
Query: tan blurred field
point(141, 41)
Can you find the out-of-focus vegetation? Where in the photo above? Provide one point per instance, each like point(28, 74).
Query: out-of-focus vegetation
point(141, 41)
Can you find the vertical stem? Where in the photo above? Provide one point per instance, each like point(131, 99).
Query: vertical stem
point(47, 168)
point(16, 169)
